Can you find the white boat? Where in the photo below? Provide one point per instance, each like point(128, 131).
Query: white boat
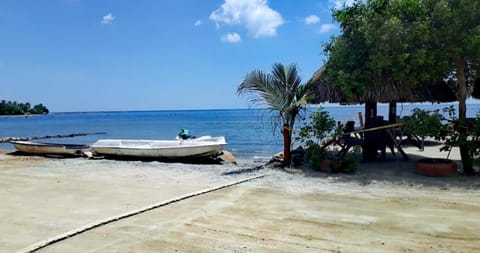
point(42, 148)
point(161, 149)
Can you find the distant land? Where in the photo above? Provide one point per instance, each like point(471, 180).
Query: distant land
point(15, 108)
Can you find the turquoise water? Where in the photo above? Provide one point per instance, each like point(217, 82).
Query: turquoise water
point(248, 132)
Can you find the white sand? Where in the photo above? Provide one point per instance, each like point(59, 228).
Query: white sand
point(385, 207)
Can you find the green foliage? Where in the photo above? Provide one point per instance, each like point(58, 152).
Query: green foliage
point(318, 129)
point(39, 109)
point(281, 91)
point(424, 123)
point(462, 132)
point(395, 45)
point(447, 127)
point(402, 44)
point(320, 126)
point(14, 108)
point(314, 154)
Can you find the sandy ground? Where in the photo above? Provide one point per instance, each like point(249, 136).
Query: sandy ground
point(384, 207)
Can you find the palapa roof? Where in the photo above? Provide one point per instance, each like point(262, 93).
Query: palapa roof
point(430, 92)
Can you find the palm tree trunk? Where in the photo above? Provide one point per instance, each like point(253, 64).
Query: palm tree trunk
point(287, 141)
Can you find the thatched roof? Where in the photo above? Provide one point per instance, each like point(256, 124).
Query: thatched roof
point(430, 92)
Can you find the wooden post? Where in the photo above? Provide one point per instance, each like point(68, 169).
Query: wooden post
point(369, 150)
point(360, 120)
point(392, 112)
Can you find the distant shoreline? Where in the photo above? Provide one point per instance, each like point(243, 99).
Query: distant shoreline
point(246, 109)
point(21, 115)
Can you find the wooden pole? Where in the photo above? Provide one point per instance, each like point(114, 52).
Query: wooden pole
point(360, 119)
point(369, 150)
point(392, 112)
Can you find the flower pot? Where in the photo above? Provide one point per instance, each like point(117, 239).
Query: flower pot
point(434, 167)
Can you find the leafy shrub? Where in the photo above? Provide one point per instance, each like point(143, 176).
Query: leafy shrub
point(317, 130)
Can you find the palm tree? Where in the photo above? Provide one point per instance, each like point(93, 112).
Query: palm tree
point(283, 93)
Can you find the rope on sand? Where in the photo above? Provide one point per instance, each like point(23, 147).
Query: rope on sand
point(47, 242)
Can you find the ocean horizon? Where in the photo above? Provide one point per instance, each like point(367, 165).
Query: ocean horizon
point(248, 132)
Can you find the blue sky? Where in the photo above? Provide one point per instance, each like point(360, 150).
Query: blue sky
point(99, 55)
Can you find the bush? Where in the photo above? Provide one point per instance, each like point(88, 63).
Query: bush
point(316, 131)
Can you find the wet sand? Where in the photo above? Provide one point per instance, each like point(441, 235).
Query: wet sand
point(384, 207)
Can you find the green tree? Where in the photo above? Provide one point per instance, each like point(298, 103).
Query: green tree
point(456, 33)
point(396, 45)
point(14, 108)
point(39, 109)
point(283, 93)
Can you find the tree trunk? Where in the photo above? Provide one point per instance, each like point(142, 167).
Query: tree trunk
point(287, 140)
point(462, 113)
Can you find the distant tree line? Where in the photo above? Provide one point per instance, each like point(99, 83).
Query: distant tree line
point(14, 108)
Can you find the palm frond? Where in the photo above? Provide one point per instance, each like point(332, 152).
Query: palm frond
point(260, 88)
point(281, 91)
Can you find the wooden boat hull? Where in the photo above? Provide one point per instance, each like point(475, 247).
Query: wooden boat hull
point(40, 148)
point(162, 149)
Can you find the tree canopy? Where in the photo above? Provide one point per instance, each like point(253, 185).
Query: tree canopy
point(397, 45)
point(14, 108)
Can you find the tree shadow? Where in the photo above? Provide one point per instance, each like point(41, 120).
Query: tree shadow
point(396, 171)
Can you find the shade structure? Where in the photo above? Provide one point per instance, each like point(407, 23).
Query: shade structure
point(389, 92)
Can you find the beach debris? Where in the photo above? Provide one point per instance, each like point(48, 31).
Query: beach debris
point(227, 156)
point(7, 139)
point(276, 162)
point(87, 154)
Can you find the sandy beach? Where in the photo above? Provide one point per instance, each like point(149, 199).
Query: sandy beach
point(384, 207)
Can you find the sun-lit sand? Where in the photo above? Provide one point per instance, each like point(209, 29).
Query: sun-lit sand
point(384, 207)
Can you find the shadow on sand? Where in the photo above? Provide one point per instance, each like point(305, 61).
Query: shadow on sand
point(199, 160)
point(394, 170)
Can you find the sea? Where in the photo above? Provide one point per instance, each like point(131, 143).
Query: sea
point(249, 132)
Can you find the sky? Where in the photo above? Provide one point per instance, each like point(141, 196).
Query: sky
point(109, 55)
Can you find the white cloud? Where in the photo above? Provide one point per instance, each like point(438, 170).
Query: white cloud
point(108, 19)
point(325, 28)
point(311, 20)
point(338, 4)
point(259, 19)
point(231, 38)
point(198, 23)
